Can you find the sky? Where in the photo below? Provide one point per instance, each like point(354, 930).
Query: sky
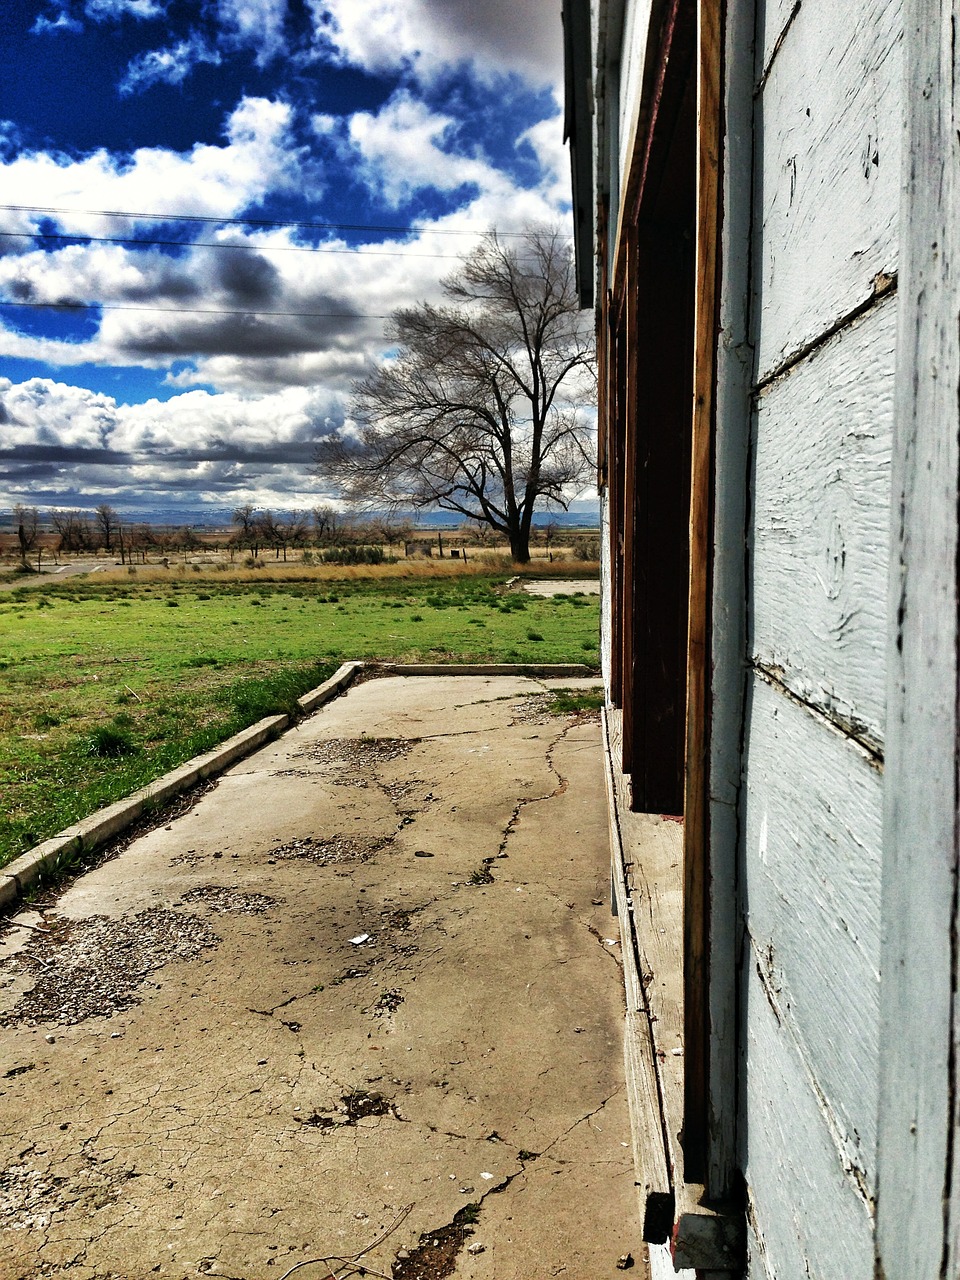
point(227, 198)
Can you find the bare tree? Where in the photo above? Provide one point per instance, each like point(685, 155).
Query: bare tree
point(244, 518)
point(107, 523)
point(482, 410)
point(26, 521)
point(73, 529)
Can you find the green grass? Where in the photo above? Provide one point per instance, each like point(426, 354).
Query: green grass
point(103, 686)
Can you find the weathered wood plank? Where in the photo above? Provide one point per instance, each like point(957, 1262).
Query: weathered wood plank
point(918, 1225)
point(774, 20)
point(828, 173)
point(654, 1181)
point(810, 1218)
point(812, 854)
point(653, 861)
point(821, 493)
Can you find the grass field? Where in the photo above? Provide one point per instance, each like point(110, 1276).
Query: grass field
point(104, 684)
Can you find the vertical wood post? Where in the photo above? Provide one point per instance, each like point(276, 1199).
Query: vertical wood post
point(728, 622)
point(918, 1210)
point(696, 907)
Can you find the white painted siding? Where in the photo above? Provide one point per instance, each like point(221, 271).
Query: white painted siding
point(812, 859)
point(828, 178)
point(821, 523)
point(809, 1217)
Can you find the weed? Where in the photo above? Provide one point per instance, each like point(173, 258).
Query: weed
point(534, 635)
point(109, 742)
point(570, 702)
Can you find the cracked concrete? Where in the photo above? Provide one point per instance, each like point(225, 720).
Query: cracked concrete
point(373, 1035)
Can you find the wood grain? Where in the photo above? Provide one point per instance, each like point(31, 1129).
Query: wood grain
point(821, 491)
point(828, 173)
point(696, 966)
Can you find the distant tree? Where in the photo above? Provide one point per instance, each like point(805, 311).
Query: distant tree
point(186, 539)
point(106, 522)
point(72, 528)
point(391, 532)
point(290, 529)
point(140, 538)
point(326, 523)
point(481, 409)
point(244, 521)
point(26, 521)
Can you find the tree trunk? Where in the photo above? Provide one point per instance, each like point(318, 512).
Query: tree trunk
point(520, 546)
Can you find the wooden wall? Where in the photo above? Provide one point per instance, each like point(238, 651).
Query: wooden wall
point(825, 183)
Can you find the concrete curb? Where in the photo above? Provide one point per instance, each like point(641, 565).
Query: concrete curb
point(105, 824)
point(102, 826)
point(532, 669)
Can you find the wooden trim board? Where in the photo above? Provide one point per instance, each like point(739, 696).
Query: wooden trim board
point(646, 863)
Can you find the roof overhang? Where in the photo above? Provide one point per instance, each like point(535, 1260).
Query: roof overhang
point(578, 128)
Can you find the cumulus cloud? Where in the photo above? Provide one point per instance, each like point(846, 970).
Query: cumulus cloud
point(258, 157)
point(254, 23)
point(428, 36)
point(168, 66)
point(406, 149)
point(403, 148)
point(225, 448)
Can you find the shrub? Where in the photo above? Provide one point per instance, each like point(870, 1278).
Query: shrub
point(586, 549)
point(353, 555)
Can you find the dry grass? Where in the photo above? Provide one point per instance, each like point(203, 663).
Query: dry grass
point(297, 571)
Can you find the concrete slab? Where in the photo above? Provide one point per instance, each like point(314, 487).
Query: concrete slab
point(368, 980)
point(560, 586)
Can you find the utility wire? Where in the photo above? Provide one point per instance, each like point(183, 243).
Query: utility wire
point(410, 229)
point(198, 311)
point(80, 238)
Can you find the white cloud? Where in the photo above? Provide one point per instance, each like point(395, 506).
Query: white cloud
point(107, 10)
point(63, 17)
point(428, 35)
point(207, 448)
point(402, 150)
point(168, 66)
point(254, 23)
point(405, 148)
point(258, 158)
point(46, 413)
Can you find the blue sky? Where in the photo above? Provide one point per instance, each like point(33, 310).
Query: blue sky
point(218, 197)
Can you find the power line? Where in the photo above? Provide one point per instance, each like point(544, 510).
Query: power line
point(82, 239)
point(199, 311)
point(409, 229)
